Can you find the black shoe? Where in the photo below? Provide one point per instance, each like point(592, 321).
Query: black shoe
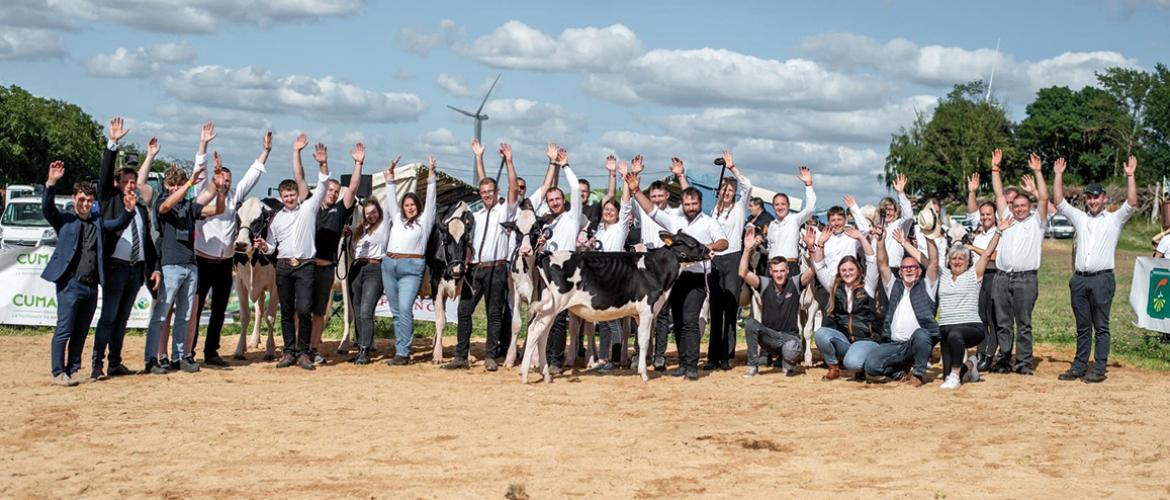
point(119, 370)
point(96, 374)
point(317, 358)
point(165, 362)
point(1000, 368)
point(1070, 376)
point(189, 365)
point(984, 366)
point(691, 374)
point(556, 370)
point(214, 360)
point(363, 356)
point(710, 365)
point(678, 372)
point(1025, 370)
point(607, 367)
point(305, 362)
point(725, 365)
point(157, 369)
point(791, 372)
point(286, 361)
point(659, 364)
point(398, 361)
point(1095, 378)
point(457, 364)
point(490, 365)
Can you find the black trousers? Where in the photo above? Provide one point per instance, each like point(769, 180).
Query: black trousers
point(557, 336)
point(956, 339)
point(488, 283)
point(121, 288)
point(686, 302)
point(1092, 297)
point(987, 315)
point(723, 283)
point(215, 276)
point(365, 285)
point(294, 285)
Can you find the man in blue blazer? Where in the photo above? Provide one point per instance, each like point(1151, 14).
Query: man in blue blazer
point(76, 268)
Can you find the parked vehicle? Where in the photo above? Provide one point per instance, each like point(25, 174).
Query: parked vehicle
point(1059, 227)
point(22, 223)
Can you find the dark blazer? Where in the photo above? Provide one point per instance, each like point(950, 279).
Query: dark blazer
point(110, 206)
point(68, 226)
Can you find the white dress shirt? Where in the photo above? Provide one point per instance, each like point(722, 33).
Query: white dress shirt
point(904, 322)
point(837, 247)
point(291, 233)
point(372, 245)
point(126, 240)
point(613, 236)
point(1019, 247)
point(215, 236)
point(980, 239)
point(702, 228)
point(826, 277)
point(566, 225)
point(784, 234)
point(732, 219)
point(490, 234)
point(1096, 235)
point(1164, 247)
point(412, 238)
point(650, 227)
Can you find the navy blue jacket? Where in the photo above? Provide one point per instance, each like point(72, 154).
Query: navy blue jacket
point(68, 226)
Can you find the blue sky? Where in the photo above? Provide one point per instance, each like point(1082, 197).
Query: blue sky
point(780, 84)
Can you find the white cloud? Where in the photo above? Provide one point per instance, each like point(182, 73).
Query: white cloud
point(516, 45)
point(172, 53)
point(170, 16)
point(140, 62)
point(253, 88)
point(939, 66)
point(421, 42)
point(453, 85)
point(25, 43)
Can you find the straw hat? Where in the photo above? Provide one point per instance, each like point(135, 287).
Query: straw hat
point(928, 223)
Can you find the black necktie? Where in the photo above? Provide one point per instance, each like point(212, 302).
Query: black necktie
point(135, 239)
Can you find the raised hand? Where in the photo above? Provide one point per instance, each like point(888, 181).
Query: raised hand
point(636, 165)
point(973, 182)
point(849, 200)
point(117, 129)
point(611, 164)
point(56, 172)
point(216, 161)
point(562, 157)
point(321, 154)
point(899, 236)
point(623, 168)
point(1034, 162)
point(632, 182)
point(750, 239)
point(390, 171)
point(676, 167)
point(728, 159)
point(1028, 183)
point(358, 153)
point(207, 133)
point(823, 236)
point(900, 183)
point(810, 236)
point(996, 159)
point(476, 147)
point(198, 175)
point(129, 200)
point(1131, 166)
point(267, 140)
point(852, 232)
point(551, 151)
point(301, 141)
point(1058, 166)
point(431, 164)
point(806, 175)
point(506, 152)
point(1006, 222)
point(152, 147)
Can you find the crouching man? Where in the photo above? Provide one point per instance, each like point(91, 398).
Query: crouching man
point(777, 330)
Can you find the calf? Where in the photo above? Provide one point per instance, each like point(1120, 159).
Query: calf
point(445, 266)
point(603, 286)
point(522, 278)
point(255, 273)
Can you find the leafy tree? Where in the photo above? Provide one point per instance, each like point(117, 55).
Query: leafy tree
point(1130, 88)
point(34, 131)
point(1156, 160)
point(1079, 126)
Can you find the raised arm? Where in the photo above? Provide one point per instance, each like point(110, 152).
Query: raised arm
point(477, 150)
point(252, 175)
point(680, 173)
point(513, 179)
point(428, 213)
point(744, 184)
point(174, 198)
point(997, 181)
point(883, 259)
point(1058, 167)
point(932, 261)
point(611, 185)
point(859, 218)
point(206, 135)
point(299, 168)
point(144, 187)
point(358, 153)
point(750, 242)
point(1004, 223)
point(314, 201)
point(575, 206)
point(810, 196)
point(390, 198)
point(904, 208)
point(1131, 184)
point(114, 132)
point(1041, 189)
point(48, 204)
point(972, 191)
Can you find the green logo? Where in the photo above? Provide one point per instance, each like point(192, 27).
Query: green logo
point(1159, 289)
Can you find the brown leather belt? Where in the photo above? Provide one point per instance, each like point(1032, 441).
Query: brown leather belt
point(323, 262)
point(493, 263)
point(292, 262)
point(368, 261)
point(393, 255)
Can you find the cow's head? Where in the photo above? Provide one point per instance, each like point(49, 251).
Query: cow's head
point(526, 230)
point(685, 247)
point(454, 233)
point(252, 221)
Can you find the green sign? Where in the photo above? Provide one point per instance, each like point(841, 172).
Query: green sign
point(1156, 306)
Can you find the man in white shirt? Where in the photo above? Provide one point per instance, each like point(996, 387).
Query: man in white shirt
point(563, 225)
point(984, 214)
point(909, 330)
point(291, 236)
point(783, 233)
point(659, 195)
point(487, 274)
point(689, 292)
point(1092, 285)
point(215, 248)
point(1017, 260)
point(724, 282)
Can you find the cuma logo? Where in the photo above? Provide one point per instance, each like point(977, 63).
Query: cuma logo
point(33, 301)
point(33, 259)
point(1156, 299)
point(142, 304)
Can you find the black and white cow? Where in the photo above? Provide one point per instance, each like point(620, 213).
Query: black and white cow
point(445, 265)
point(526, 228)
point(604, 286)
point(255, 273)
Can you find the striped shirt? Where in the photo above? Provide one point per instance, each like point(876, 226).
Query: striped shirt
point(958, 300)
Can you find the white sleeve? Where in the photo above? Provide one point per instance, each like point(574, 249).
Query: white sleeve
point(575, 207)
point(251, 177)
point(200, 161)
point(390, 200)
point(859, 219)
point(314, 201)
point(810, 203)
point(871, 275)
point(1073, 214)
point(428, 215)
point(824, 275)
point(668, 221)
point(905, 207)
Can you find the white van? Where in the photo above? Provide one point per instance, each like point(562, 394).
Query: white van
point(22, 223)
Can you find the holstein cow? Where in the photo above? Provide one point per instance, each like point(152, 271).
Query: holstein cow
point(255, 273)
point(526, 229)
point(445, 266)
point(603, 286)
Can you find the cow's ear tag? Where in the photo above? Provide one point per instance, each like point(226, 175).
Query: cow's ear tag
point(667, 238)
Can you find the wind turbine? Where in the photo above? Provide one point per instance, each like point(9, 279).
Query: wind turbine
point(478, 116)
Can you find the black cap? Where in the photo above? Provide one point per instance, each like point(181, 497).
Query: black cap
point(1094, 189)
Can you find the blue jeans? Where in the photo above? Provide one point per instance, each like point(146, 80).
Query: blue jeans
point(76, 303)
point(401, 279)
point(118, 293)
point(892, 358)
point(836, 349)
point(178, 287)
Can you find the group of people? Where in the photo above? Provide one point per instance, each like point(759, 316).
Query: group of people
point(978, 293)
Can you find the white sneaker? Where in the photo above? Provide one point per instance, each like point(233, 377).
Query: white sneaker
point(972, 374)
point(951, 382)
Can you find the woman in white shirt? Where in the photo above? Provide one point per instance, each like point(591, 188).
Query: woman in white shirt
point(403, 265)
point(365, 274)
point(958, 309)
point(611, 234)
point(852, 319)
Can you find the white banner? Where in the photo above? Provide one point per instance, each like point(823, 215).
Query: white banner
point(1149, 294)
point(424, 309)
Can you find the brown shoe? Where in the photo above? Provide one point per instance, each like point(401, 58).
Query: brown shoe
point(304, 361)
point(914, 380)
point(834, 373)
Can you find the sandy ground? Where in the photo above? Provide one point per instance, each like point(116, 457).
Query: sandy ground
point(421, 432)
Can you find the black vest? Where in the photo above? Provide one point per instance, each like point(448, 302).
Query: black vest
point(780, 307)
point(919, 299)
point(859, 324)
